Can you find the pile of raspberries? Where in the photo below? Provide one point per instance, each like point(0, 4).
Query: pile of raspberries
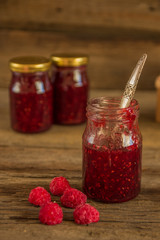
point(51, 213)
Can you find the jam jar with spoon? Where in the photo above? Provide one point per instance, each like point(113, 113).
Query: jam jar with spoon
point(112, 149)
point(112, 145)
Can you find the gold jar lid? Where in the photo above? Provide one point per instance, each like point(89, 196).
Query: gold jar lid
point(28, 64)
point(69, 60)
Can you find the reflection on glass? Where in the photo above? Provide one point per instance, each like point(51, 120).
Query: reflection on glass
point(39, 87)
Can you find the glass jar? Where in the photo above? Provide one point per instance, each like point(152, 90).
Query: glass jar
point(70, 83)
point(31, 94)
point(112, 149)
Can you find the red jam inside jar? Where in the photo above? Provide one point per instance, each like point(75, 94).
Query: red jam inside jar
point(70, 83)
point(31, 95)
point(112, 149)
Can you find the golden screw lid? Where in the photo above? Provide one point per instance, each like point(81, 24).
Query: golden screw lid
point(65, 60)
point(26, 64)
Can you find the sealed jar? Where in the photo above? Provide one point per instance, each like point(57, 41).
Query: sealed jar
point(70, 83)
point(31, 94)
point(112, 149)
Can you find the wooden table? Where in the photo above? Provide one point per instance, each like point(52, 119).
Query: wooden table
point(27, 161)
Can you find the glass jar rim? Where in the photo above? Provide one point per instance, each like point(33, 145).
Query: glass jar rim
point(109, 107)
point(115, 100)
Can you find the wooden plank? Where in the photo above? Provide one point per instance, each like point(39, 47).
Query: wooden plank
point(113, 34)
point(111, 61)
point(68, 230)
point(41, 13)
point(25, 168)
point(70, 136)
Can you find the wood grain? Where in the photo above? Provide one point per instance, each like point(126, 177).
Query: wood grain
point(113, 34)
point(68, 230)
point(111, 61)
point(133, 14)
point(29, 160)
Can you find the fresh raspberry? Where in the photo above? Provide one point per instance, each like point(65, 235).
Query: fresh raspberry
point(72, 198)
point(58, 185)
point(39, 196)
point(85, 214)
point(51, 214)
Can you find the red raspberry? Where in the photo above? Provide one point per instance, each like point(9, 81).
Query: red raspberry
point(51, 214)
point(58, 185)
point(39, 196)
point(72, 198)
point(85, 214)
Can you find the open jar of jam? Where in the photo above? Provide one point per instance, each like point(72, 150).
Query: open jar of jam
point(31, 94)
point(70, 83)
point(112, 149)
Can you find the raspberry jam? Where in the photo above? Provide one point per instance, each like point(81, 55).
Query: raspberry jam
point(70, 83)
point(112, 149)
point(31, 95)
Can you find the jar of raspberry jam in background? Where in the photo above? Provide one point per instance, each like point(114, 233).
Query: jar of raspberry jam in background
point(112, 149)
point(70, 83)
point(31, 94)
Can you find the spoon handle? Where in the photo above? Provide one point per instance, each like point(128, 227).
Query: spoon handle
point(132, 83)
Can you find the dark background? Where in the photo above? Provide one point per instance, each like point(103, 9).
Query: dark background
point(113, 33)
